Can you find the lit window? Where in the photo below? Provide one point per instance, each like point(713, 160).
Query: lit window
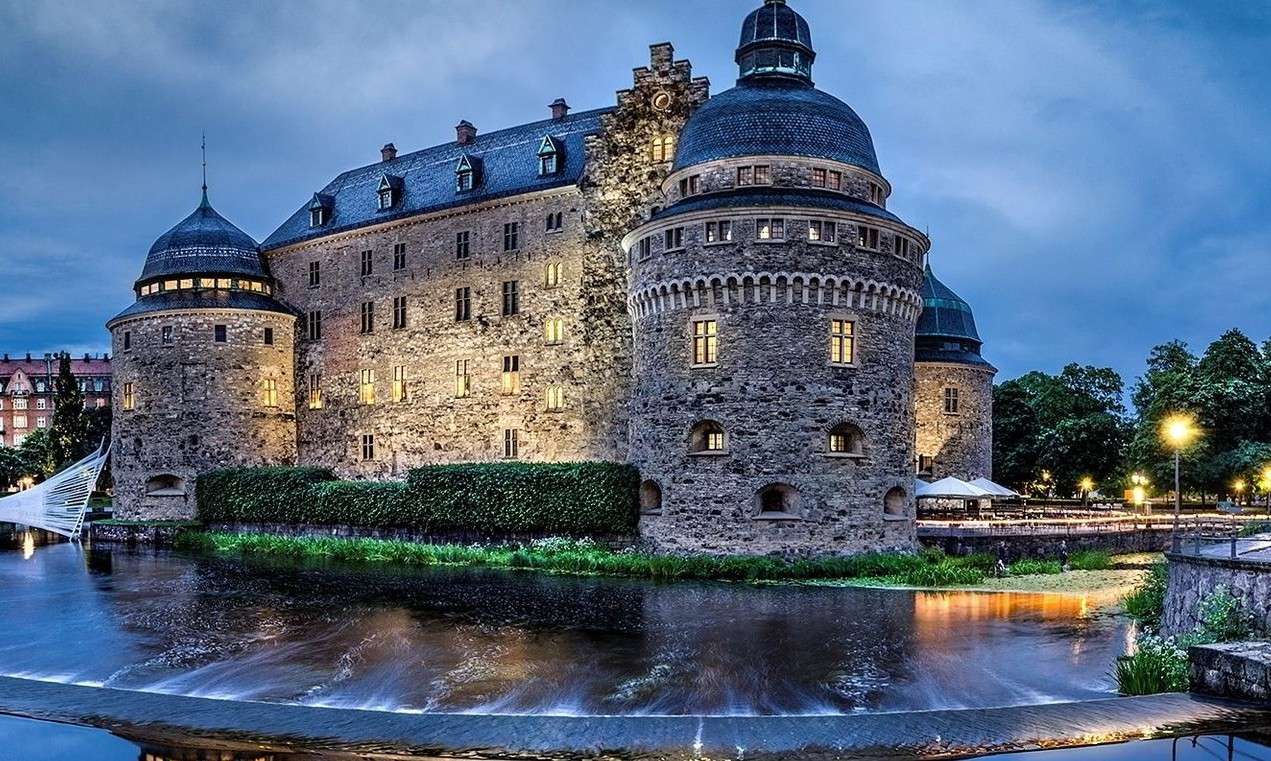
point(845, 438)
point(705, 342)
point(770, 228)
point(511, 297)
point(555, 396)
point(21, 404)
point(951, 401)
point(187, 284)
point(315, 391)
point(554, 330)
point(463, 381)
point(673, 239)
point(315, 274)
point(867, 237)
point(166, 333)
point(719, 232)
point(368, 447)
point(269, 392)
point(399, 257)
point(366, 387)
point(761, 175)
point(169, 285)
point(313, 326)
point(399, 383)
point(708, 436)
point(129, 400)
point(368, 317)
point(511, 237)
point(745, 175)
point(19, 421)
point(551, 274)
point(41, 404)
point(824, 232)
point(663, 149)
point(818, 178)
point(399, 312)
point(511, 374)
point(461, 245)
point(220, 334)
point(835, 181)
point(41, 422)
point(368, 263)
point(463, 304)
point(511, 443)
point(842, 342)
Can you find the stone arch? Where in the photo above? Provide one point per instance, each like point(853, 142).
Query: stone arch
point(707, 437)
point(650, 497)
point(777, 501)
point(894, 502)
point(165, 485)
point(845, 439)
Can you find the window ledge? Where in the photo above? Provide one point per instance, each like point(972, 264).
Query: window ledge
point(651, 512)
point(705, 366)
point(771, 240)
point(777, 517)
point(718, 243)
point(826, 243)
point(710, 453)
point(845, 365)
point(896, 518)
point(556, 231)
point(843, 455)
point(871, 250)
point(678, 250)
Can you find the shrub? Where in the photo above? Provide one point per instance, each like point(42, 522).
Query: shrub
point(1090, 560)
point(1222, 619)
point(258, 495)
point(1146, 604)
point(1030, 567)
point(1156, 665)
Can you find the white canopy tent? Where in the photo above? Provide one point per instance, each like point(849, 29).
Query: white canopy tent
point(950, 488)
point(996, 489)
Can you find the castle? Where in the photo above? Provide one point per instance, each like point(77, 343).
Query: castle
point(711, 288)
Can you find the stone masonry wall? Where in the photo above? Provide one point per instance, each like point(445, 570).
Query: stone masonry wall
point(961, 444)
point(198, 404)
point(1192, 579)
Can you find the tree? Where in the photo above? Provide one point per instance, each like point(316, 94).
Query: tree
point(36, 451)
point(12, 467)
point(68, 436)
point(1016, 434)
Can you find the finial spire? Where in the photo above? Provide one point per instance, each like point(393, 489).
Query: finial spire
point(203, 145)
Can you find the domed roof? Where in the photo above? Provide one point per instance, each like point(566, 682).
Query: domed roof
point(775, 21)
point(203, 243)
point(945, 314)
point(775, 116)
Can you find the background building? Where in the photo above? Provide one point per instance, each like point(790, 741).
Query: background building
point(27, 392)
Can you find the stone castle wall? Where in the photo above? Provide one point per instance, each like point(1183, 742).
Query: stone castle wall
point(197, 404)
point(960, 444)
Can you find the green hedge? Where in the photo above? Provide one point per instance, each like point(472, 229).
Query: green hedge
point(489, 499)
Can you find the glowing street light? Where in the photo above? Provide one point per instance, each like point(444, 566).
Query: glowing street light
point(1087, 485)
point(1239, 488)
point(1178, 430)
point(1266, 486)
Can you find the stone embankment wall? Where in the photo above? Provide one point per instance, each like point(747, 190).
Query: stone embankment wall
point(161, 534)
point(1234, 670)
point(1049, 545)
point(1192, 579)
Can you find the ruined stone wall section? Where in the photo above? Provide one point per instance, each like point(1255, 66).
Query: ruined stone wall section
point(960, 444)
point(198, 405)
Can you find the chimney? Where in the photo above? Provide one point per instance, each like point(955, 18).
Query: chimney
point(388, 152)
point(28, 356)
point(86, 356)
point(6, 356)
point(465, 133)
point(560, 109)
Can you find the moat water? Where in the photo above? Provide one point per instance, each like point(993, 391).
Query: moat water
point(505, 642)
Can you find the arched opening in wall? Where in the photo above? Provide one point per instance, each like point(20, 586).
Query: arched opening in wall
point(894, 503)
point(845, 440)
point(650, 497)
point(707, 437)
point(166, 485)
point(777, 501)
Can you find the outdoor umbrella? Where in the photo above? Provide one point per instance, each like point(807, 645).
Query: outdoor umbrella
point(995, 489)
point(950, 488)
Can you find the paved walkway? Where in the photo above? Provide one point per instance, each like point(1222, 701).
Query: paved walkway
point(1256, 548)
point(295, 728)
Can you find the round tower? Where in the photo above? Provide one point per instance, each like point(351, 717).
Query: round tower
point(204, 366)
point(774, 300)
point(954, 393)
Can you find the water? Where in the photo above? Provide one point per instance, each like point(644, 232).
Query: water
point(487, 641)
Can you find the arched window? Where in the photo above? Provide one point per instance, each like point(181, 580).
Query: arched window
point(845, 440)
point(663, 148)
point(650, 497)
point(777, 501)
point(894, 502)
point(166, 485)
point(708, 437)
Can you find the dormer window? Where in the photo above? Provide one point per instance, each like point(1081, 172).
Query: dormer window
point(389, 191)
point(320, 210)
point(467, 174)
point(549, 153)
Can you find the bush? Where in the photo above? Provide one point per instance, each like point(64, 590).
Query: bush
point(1146, 604)
point(1222, 619)
point(1090, 560)
point(1030, 567)
point(258, 495)
point(1156, 665)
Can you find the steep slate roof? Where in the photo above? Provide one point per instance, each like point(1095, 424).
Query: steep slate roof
point(769, 196)
point(946, 328)
point(202, 299)
point(203, 243)
point(777, 116)
point(509, 166)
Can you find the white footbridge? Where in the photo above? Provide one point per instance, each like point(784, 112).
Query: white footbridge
point(58, 504)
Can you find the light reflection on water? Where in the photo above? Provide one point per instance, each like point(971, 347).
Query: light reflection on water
point(485, 641)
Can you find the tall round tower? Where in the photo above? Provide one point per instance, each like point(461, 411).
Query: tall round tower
point(204, 367)
point(954, 404)
point(774, 300)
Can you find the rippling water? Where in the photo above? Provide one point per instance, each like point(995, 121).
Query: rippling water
point(493, 641)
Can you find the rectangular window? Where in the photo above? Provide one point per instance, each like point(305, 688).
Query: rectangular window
point(705, 342)
point(842, 342)
point(368, 317)
point(555, 397)
point(835, 181)
point(511, 443)
point(315, 391)
point(399, 383)
point(689, 185)
point(366, 387)
point(719, 232)
point(463, 381)
point(19, 404)
point(554, 330)
point(745, 175)
point(41, 422)
point(646, 248)
point(761, 175)
point(926, 463)
point(129, 400)
point(951, 401)
point(462, 251)
point(876, 193)
point(511, 381)
point(166, 333)
point(867, 237)
point(399, 257)
point(41, 404)
point(554, 223)
point(368, 263)
point(313, 325)
point(673, 239)
point(511, 237)
point(368, 447)
point(770, 228)
point(551, 274)
point(315, 274)
point(220, 334)
point(715, 441)
point(399, 312)
point(547, 164)
point(463, 181)
point(463, 304)
point(269, 392)
point(901, 245)
point(818, 178)
point(127, 340)
point(823, 232)
point(269, 336)
point(511, 297)
point(19, 421)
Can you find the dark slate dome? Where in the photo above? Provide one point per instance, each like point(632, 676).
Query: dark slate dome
point(946, 328)
point(203, 243)
point(773, 38)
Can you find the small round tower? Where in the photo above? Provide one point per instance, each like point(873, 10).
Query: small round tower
point(954, 395)
point(774, 300)
point(204, 368)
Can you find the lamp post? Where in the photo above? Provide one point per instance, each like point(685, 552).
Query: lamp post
point(1178, 430)
point(1266, 486)
point(1087, 484)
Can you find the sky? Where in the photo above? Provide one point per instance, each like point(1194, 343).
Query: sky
point(1095, 177)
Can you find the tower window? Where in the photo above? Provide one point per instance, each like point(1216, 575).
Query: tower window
point(745, 175)
point(463, 304)
point(165, 335)
point(463, 381)
point(368, 317)
point(901, 247)
point(315, 391)
point(555, 221)
point(399, 312)
point(867, 237)
point(129, 399)
point(555, 398)
point(834, 181)
point(269, 336)
point(511, 443)
point(399, 257)
point(842, 342)
point(705, 342)
point(511, 297)
point(220, 334)
point(822, 232)
point(553, 330)
point(461, 245)
point(315, 274)
point(511, 379)
point(951, 401)
point(673, 239)
point(366, 386)
point(269, 392)
point(845, 439)
point(645, 248)
point(368, 447)
point(876, 193)
point(314, 325)
point(551, 274)
point(818, 178)
point(368, 263)
point(663, 149)
point(689, 185)
point(127, 340)
point(399, 383)
point(708, 437)
point(719, 232)
point(511, 237)
point(770, 228)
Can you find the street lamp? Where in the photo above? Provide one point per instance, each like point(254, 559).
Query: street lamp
point(1178, 430)
point(1239, 488)
point(1266, 486)
point(1087, 485)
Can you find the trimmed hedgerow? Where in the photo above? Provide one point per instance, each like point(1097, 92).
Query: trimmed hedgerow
point(490, 498)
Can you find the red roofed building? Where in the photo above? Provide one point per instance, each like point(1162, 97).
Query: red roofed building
point(27, 390)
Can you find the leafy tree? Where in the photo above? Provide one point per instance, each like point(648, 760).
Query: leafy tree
point(68, 436)
point(12, 467)
point(36, 451)
point(1016, 435)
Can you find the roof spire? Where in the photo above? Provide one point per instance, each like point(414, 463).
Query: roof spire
point(204, 147)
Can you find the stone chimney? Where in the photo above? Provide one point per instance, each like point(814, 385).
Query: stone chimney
point(465, 133)
point(388, 152)
point(560, 109)
point(28, 356)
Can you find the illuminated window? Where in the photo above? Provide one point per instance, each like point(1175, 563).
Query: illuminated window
point(19, 421)
point(20, 404)
point(708, 437)
point(705, 342)
point(551, 274)
point(511, 297)
point(366, 387)
point(269, 392)
point(368, 317)
point(463, 304)
point(129, 399)
point(368, 263)
point(773, 228)
point(187, 284)
point(663, 149)
point(818, 178)
point(511, 443)
point(399, 257)
point(315, 391)
point(673, 239)
point(823, 232)
point(834, 181)
point(845, 438)
point(951, 401)
point(511, 374)
point(368, 447)
point(719, 232)
point(555, 398)
point(220, 334)
point(463, 381)
point(554, 330)
point(41, 422)
point(399, 312)
point(315, 274)
point(761, 175)
point(462, 251)
point(867, 237)
point(399, 383)
point(842, 342)
point(511, 236)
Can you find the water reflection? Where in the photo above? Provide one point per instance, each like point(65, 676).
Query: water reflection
point(484, 641)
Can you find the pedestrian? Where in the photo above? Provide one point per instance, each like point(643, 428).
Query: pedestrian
point(1000, 569)
point(1063, 554)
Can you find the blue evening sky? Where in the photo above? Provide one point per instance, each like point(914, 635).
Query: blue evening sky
point(1096, 177)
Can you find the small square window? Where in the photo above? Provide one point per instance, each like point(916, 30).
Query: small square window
point(719, 232)
point(269, 336)
point(220, 334)
point(773, 228)
point(835, 181)
point(818, 178)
